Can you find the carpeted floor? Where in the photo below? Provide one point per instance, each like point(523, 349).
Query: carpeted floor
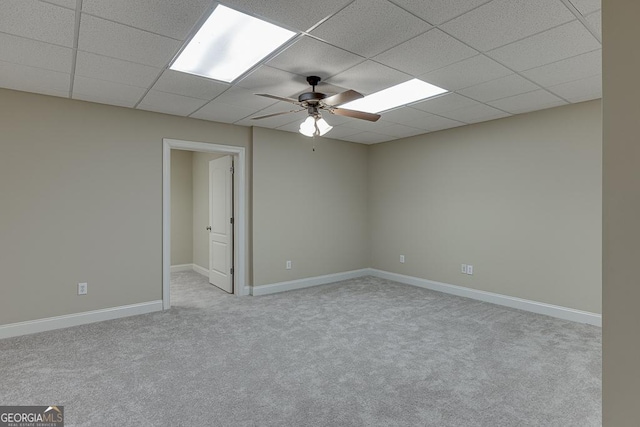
point(364, 352)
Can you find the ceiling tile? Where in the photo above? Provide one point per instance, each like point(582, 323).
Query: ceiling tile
point(168, 18)
point(71, 4)
point(31, 79)
point(366, 125)
point(300, 16)
point(500, 22)
point(475, 113)
point(368, 27)
point(525, 102)
point(115, 70)
point(499, 88)
point(292, 127)
point(274, 82)
point(170, 103)
point(405, 115)
point(119, 41)
point(368, 138)
point(401, 131)
point(552, 45)
point(224, 113)
point(431, 122)
point(244, 98)
point(595, 20)
point(105, 92)
point(272, 122)
point(308, 56)
point(578, 67)
point(444, 103)
point(434, 123)
point(426, 52)
point(340, 131)
point(369, 77)
point(107, 100)
point(277, 121)
point(117, 61)
point(34, 53)
point(189, 85)
point(586, 6)
point(38, 20)
point(438, 11)
point(468, 72)
point(580, 90)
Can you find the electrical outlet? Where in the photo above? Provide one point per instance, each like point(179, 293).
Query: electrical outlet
point(469, 269)
point(402, 259)
point(82, 288)
point(288, 266)
point(463, 269)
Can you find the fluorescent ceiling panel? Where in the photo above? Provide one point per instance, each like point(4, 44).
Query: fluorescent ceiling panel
point(228, 44)
point(395, 96)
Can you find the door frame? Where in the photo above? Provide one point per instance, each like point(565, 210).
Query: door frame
point(239, 206)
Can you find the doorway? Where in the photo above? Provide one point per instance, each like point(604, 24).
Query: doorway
point(237, 226)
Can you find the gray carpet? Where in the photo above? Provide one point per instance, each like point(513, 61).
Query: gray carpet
point(364, 352)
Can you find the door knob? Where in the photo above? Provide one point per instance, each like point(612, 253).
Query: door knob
point(209, 228)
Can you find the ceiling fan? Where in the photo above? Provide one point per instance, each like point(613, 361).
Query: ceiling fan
point(314, 101)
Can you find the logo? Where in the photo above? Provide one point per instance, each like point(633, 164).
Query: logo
point(31, 416)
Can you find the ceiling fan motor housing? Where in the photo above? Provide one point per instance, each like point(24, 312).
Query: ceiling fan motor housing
point(311, 97)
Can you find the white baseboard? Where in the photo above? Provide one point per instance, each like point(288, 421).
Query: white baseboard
point(59, 322)
point(513, 302)
point(201, 270)
point(181, 267)
point(307, 282)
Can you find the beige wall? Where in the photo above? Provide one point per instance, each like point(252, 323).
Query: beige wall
point(518, 198)
point(621, 207)
point(200, 173)
point(81, 190)
point(308, 207)
point(181, 207)
point(81, 187)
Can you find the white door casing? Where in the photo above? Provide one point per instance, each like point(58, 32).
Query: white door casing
point(221, 223)
point(240, 222)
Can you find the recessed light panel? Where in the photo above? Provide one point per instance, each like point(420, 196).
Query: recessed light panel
point(228, 44)
point(395, 96)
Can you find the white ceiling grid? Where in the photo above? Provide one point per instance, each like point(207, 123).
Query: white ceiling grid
point(497, 57)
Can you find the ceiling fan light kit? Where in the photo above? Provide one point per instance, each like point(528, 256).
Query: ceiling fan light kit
point(315, 126)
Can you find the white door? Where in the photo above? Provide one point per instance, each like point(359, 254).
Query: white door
point(221, 223)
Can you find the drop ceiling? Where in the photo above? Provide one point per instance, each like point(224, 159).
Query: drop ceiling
point(497, 58)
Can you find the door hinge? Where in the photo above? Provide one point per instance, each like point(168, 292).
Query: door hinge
point(231, 169)
point(231, 270)
point(231, 221)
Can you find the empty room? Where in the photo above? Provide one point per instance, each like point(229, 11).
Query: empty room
point(336, 213)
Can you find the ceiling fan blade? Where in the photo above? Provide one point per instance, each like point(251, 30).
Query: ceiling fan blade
point(275, 114)
point(355, 114)
point(343, 98)
point(279, 98)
